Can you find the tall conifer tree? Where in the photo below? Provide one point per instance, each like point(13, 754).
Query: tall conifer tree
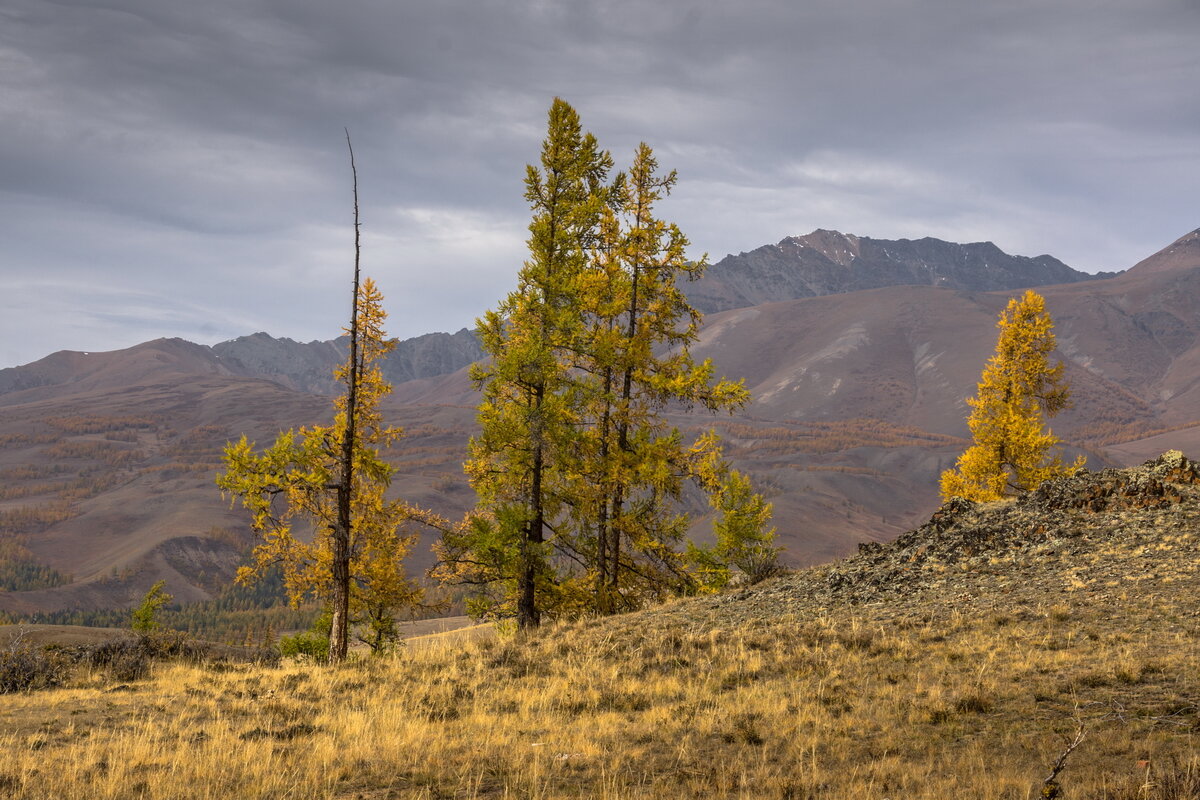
point(638, 362)
point(526, 420)
point(577, 472)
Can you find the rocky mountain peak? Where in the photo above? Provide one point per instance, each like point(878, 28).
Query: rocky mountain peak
point(840, 248)
point(830, 262)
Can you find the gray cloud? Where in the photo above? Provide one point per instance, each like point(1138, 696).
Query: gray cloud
point(169, 168)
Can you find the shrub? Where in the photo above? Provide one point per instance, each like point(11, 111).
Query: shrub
point(309, 644)
point(125, 659)
point(129, 658)
point(313, 643)
point(24, 666)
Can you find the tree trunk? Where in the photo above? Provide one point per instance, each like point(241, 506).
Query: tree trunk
point(339, 632)
point(603, 522)
point(528, 615)
point(614, 574)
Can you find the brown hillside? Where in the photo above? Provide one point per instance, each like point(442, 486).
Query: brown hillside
point(108, 459)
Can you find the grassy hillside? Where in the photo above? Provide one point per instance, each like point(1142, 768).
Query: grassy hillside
point(958, 662)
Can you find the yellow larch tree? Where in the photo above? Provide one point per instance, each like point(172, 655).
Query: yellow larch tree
point(1013, 451)
point(297, 482)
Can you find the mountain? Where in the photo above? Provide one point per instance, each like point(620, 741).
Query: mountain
point(829, 262)
point(304, 366)
point(107, 459)
point(309, 367)
point(1182, 254)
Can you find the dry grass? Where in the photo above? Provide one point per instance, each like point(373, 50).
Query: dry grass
point(959, 662)
point(852, 703)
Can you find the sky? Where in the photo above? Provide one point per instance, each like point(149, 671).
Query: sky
point(172, 168)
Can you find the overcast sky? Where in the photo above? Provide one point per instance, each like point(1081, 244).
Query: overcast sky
point(172, 168)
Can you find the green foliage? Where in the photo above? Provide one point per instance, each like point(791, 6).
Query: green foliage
point(312, 644)
point(577, 472)
point(743, 539)
point(22, 575)
point(527, 420)
point(634, 361)
point(145, 617)
point(238, 615)
point(1012, 450)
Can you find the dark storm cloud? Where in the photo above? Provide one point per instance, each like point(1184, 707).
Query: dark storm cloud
point(172, 168)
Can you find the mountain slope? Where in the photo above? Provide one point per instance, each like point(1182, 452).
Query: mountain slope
point(108, 458)
point(309, 367)
point(304, 366)
point(910, 354)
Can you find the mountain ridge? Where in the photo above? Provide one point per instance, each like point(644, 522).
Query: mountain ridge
point(830, 262)
point(302, 366)
point(821, 263)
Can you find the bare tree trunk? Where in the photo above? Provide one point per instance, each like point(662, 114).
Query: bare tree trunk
point(339, 632)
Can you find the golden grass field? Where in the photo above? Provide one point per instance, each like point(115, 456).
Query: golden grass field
point(858, 703)
point(958, 662)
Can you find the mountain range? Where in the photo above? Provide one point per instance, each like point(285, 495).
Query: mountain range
point(859, 354)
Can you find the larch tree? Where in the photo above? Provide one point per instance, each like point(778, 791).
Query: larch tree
point(1012, 449)
point(526, 421)
point(349, 558)
point(332, 480)
point(744, 539)
point(636, 362)
point(577, 473)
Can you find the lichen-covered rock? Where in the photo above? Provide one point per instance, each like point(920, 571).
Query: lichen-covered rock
point(1114, 510)
point(1155, 484)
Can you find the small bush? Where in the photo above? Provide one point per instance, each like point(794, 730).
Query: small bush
point(174, 645)
point(309, 644)
point(265, 656)
point(129, 658)
point(25, 667)
point(974, 704)
point(123, 659)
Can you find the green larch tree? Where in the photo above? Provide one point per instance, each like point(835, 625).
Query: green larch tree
point(577, 472)
point(526, 422)
point(145, 617)
point(1012, 450)
point(745, 542)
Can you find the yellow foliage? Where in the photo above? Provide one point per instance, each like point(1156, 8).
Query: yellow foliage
point(1012, 450)
point(295, 480)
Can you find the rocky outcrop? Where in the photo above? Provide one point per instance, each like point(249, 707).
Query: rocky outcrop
point(1092, 519)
